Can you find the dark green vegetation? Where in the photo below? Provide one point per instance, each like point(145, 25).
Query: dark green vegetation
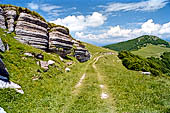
point(154, 65)
point(138, 43)
point(55, 91)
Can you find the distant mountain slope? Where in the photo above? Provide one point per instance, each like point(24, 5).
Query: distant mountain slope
point(151, 50)
point(137, 43)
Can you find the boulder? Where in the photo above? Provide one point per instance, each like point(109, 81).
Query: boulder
point(29, 54)
point(81, 54)
point(12, 85)
point(2, 110)
point(4, 75)
point(2, 47)
point(51, 62)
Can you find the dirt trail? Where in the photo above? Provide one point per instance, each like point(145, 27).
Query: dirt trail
point(104, 89)
point(105, 96)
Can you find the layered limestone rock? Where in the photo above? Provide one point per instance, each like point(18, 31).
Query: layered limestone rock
point(2, 19)
point(60, 41)
point(80, 52)
point(32, 31)
point(10, 15)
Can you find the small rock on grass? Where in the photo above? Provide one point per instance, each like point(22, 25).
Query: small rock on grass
point(2, 110)
point(29, 54)
point(67, 69)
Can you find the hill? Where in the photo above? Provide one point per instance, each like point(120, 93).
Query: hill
point(101, 84)
point(138, 43)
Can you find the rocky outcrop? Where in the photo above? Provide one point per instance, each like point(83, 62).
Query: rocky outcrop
point(80, 52)
point(10, 15)
point(32, 29)
point(60, 41)
point(2, 19)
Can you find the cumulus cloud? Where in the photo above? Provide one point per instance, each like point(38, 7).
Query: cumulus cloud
point(81, 22)
point(48, 7)
point(116, 33)
point(149, 5)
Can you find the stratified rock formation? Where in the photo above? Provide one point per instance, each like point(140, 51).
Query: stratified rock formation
point(60, 41)
point(2, 19)
point(10, 15)
point(32, 29)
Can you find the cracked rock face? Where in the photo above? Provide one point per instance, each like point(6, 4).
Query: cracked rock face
point(10, 16)
point(80, 52)
point(2, 19)
point(32, 31)
point(58, 40)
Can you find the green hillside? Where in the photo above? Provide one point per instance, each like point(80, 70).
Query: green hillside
point(80, 90)
point(151, 50)
point(138, 43)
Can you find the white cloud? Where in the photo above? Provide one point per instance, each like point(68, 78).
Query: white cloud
point(51, 10)
point(48, 7)
point(81, 22)
point(165, 29)
point(33, 6)
point(116, 33)
point(149, 5)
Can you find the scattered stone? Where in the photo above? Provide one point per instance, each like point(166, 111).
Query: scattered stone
point(29, 54)
point(67, 69)
point(50, 62)
point(44, 64)
point(4, 84)
point(69, 63)
point(24, 58)
point(146, 73)
point(2, 47)
point(35, 78)
point(102, 86)
point(61, 59)
point(2, 110)
point(104, 96)
point(40, 56)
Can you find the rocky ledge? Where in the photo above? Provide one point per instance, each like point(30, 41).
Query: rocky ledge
point(32, 29)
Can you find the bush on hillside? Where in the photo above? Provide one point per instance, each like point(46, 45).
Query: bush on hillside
point(154, 65)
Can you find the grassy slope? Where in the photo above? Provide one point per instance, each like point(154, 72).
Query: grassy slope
point(151, 50)
point(55, 93)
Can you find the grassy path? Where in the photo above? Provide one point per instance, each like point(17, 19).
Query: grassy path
point(90, 93)
point(108, 99)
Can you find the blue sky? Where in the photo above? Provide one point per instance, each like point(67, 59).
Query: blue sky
point(102, 22)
